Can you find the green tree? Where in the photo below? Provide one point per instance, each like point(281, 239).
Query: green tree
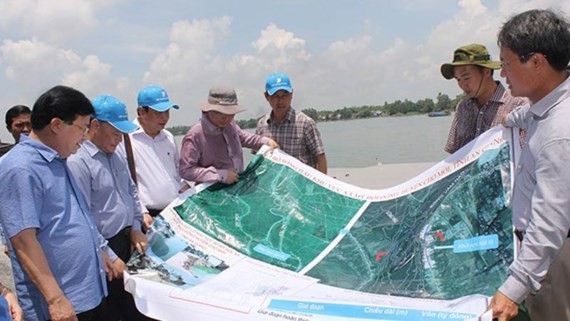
point(311, 112)
point(425, 105)
point(443, 103)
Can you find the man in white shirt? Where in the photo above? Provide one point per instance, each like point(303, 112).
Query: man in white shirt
point(155, 152)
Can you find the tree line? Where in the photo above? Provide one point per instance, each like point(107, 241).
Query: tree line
point(397, 108)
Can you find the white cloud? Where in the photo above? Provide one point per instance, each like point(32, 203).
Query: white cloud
point(187, 57)
point(50, 20)
point(33, 64)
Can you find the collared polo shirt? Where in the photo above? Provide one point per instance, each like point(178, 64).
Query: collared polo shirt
point(39, 192)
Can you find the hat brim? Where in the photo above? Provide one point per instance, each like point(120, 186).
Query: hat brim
point(447, 70)
point(124, 126)
point(277, 88)
point(224, 109)
point(164, 106)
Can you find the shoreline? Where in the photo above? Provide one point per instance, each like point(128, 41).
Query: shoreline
point(379, 176)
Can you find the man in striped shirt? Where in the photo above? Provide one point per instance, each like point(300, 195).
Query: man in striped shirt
point(295, 132)
point(487, 101)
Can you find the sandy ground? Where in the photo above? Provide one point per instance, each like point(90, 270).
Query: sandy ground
point(374, 177)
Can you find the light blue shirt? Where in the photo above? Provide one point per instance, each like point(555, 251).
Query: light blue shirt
point(109, 191)
point(541, 200)
point(38, 192)
point(2, 236)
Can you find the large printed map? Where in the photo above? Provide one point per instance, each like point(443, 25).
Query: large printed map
point(287, 242)
point(273, 214)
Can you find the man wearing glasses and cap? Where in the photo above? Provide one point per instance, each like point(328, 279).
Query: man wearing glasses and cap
point(487, 101)
point(111, 195)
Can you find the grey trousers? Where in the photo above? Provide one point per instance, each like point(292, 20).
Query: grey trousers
point(552, 302)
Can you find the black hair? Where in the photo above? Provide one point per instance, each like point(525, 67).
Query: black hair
point(143, 107)
point(538, 31)
point(60, 102)
point(15, 112)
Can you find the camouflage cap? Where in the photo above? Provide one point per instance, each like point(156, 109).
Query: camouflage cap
point(473, 54)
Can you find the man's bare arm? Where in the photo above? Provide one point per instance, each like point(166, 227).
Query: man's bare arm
point(34, 262)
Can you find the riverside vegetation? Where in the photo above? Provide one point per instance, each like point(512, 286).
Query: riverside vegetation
point(397, 108)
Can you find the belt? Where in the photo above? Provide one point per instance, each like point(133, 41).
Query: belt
point(153, 212)
point(520, 234)
point(126, 232)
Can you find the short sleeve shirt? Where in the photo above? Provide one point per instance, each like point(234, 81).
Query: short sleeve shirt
point(297, 135)
point(38, 192)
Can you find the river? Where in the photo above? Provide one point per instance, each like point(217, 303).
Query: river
point(384, 140)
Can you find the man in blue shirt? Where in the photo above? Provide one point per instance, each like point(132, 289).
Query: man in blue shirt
point(55, 248)
point(111, 195)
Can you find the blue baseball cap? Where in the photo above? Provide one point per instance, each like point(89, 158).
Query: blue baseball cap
point(110, 109)
point(156, 98)
point(277, 81)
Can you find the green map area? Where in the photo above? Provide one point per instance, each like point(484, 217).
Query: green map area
point(405, 246)
point(273, 214)
point(450, 239)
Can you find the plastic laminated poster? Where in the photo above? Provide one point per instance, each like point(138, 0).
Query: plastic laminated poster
point(289, 243)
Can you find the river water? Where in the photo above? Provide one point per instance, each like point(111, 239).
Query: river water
point(385, 140)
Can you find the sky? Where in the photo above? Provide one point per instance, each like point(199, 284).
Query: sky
point(337, 53)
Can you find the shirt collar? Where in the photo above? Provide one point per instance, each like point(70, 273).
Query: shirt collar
point(140, 132)
point(208, 127)
point(48, 153)
point(498, 95)
point(290, 117)
point(91, 148)
point(541, 107)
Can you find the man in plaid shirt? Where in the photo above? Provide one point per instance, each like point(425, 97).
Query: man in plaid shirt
point(487, 101)
point(295, 132)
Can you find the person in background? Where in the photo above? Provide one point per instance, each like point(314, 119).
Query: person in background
point(535, 51)
point(155, 152)
point(486, 102)
point(14, 311)
point(212, 149)
point(295, 132)
point(18, 121)
point(58, 257)
point(111, 195)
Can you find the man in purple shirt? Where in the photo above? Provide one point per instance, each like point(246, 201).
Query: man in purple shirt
point(212, 149)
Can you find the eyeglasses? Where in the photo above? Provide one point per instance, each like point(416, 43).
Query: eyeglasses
point(83, 129)
point(522, 58)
